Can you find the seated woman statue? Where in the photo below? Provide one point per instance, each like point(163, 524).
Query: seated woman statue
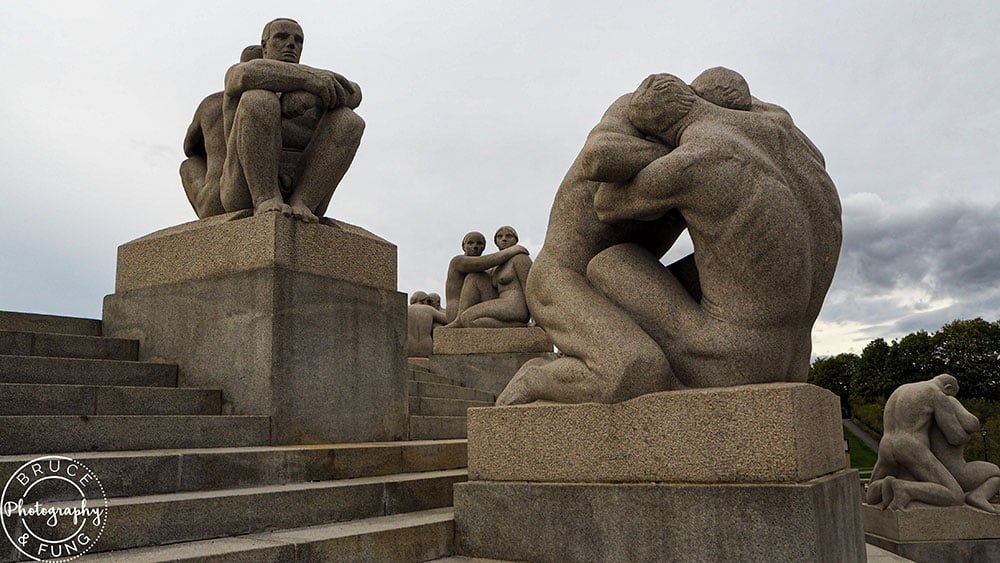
point(495, 299)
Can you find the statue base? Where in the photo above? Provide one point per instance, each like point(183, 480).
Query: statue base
point(299, 322)
point(749, 473)
point(485, 358)
point(932, 534)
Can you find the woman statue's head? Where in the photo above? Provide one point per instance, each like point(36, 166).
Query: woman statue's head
point(473, 244)
point(505, 237)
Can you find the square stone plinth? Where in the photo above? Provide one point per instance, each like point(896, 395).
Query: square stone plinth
point(233, 243)
point(491, 340)
point(775, 432)
point(297, 322)
point(815, 521)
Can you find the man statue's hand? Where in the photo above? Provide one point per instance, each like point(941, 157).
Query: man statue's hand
point(324, 85)
point(520, 249)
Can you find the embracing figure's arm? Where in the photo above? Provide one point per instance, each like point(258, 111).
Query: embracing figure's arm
point(615, 150)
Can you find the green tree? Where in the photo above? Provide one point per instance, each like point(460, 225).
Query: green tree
point(970, 350)
point(835, 373)
point(871, 379)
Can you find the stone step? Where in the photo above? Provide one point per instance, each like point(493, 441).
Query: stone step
point(430, 377)
point(200, 469)
point(31, 322)
point(399, 538)
point(441, 391)
point(437, 427)
point(50, 399)
point(70, 371)
point(183, 517)
point(52, 434)
point(430, 406)
point(54, 345)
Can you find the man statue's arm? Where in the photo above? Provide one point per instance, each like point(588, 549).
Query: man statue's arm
point(469, 264)
point(652, 192)
point(277, 76)
point(615, 150)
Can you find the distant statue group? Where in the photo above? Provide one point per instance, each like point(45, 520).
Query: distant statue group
point(921, 454)
point(481, 291)
point(764, 217)
point(278, 139)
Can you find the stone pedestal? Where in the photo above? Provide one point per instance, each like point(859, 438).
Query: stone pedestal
point(300, 322)
point(486, 358)
point(750, 473)
point(930, 534)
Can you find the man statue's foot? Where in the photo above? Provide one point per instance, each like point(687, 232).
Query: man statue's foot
point(273, 205)
point(303, 213)
point(900, 496)
point(978, 501)
point(887, 493)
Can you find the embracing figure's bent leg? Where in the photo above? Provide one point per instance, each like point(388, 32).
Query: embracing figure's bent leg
point(613, 359)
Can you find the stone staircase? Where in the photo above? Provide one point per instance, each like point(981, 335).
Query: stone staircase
point(186, 482)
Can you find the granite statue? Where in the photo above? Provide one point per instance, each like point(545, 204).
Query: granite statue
point(422, 316)
point(497, 301)
point(469, 280)
point(764, 218)
point(920, 456)
point(290, 133)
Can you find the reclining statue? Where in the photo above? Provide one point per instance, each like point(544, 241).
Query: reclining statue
point(761, 211)
point(288, 132)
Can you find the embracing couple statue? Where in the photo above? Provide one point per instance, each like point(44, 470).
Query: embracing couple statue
point(763, 215)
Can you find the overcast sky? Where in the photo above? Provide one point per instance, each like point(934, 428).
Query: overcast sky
point(476, 109)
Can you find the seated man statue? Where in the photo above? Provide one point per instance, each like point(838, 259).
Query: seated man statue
point(291, 132)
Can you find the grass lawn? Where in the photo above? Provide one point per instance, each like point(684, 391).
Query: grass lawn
point(862, 457)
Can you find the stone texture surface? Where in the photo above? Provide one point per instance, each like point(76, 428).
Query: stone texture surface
point(233, 243)
point(813, 521)
point(627, 325)
point(32, 399)
point(321, 356)
point(490, 340)
point(778, 432)
point(489, 372)
point(931, 523)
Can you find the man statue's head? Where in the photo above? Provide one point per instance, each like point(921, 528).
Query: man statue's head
point(282, 40)
point(947, 383)
point(723, 87)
